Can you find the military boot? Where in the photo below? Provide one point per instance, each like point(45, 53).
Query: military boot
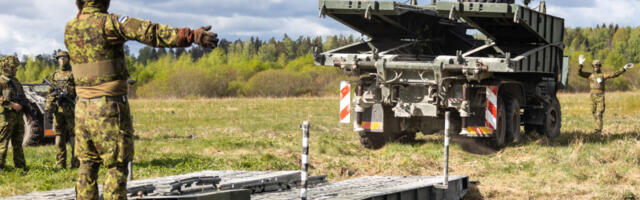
point(75, 163)
point(62, 165)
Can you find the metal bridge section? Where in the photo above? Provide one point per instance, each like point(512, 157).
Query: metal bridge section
point(533, 40)
point(381, 188)
point(519, 39)
point(245, 185)
point(507, 23)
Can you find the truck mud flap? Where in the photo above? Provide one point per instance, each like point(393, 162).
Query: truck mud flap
point(373, 119)
point(490, 117)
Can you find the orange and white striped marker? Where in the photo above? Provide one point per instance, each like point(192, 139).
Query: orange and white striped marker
point(345, 102)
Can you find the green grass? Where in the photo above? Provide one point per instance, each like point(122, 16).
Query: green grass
point(181, 136)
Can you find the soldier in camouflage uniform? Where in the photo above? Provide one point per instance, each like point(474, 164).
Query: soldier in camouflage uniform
point(104, 131)
point(597, 81)
point(62, 108)
point(11, 122)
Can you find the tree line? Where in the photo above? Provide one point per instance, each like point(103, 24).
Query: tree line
point(284, 67)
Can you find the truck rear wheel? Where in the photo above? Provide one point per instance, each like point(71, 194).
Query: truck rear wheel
point(513, 121)
point(371, 140)
point(552, 119)
point(499, 134)
point(31, 132)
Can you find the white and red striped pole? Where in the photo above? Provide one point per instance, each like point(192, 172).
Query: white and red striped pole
point(491, 114)
point(345, 102)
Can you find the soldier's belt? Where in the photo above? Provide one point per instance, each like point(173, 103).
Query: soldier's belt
point(122, 98)
point(597, 91)
point(93, 74)
point(113, 88)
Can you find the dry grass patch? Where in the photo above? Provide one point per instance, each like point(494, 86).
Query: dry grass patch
point(181, 136)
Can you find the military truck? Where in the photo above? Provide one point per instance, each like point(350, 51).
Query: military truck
point(494, 64)
point(39, 128)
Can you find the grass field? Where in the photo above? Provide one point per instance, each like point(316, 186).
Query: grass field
point(180, 136)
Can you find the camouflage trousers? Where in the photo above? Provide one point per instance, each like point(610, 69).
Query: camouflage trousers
point(597, 108)
point(64, 126)
point(104, 135)
point(12, 130)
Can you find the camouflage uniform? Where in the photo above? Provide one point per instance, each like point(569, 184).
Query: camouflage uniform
point(11, 122)
point(597, 81)
point(104, 132)
point(63, 112)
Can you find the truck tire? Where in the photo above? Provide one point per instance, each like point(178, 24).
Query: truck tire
point(31, 132)
point(371, 140)
point(530, 129)
point(499, 134)
point(552, 119)
point(407, 137)
point(489, 1)
point(392, 132)
point(513, 121)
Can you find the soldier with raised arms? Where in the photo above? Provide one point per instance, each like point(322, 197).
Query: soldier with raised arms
point(104, 131)
point(597, 81)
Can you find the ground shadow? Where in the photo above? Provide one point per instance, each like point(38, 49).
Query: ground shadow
point(573, 137)
point(167, 161)
point(473, 193)
point(470, 145)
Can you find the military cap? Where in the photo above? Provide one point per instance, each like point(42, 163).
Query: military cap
point(9, 62)
point(596, 62)
point(62, 54)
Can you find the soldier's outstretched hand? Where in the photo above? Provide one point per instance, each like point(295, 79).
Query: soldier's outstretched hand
point(581, 59)
point(204, 38)
point(628, 66)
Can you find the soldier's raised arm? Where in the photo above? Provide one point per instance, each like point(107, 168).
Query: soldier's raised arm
point(619, 72)
point(125, 28)
point(581, 73)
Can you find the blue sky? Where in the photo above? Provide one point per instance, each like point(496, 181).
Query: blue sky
point(36, 26)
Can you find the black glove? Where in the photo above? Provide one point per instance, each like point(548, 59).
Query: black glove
point(204, 38)
point(55, 94)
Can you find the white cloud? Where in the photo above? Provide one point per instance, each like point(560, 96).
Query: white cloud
point(624, 12)
point(36, 26)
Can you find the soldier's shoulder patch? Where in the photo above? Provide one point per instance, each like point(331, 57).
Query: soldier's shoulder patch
point(123, 19)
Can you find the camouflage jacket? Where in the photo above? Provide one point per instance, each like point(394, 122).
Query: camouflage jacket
point(95, 42)
point(597, 80)
point(63, 80)
point(12, 92)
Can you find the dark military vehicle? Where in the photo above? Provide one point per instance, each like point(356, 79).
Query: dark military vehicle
point(494, 64)
point(39, 129)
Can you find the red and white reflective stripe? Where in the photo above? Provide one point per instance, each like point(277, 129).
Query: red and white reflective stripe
point(345, 102)
point(491, 115)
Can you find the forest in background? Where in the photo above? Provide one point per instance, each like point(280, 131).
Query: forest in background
point(284, 68)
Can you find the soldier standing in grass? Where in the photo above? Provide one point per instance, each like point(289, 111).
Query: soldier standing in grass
point(597, 81)
point(104, 132)
point(61, 105)
point(11, 111)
